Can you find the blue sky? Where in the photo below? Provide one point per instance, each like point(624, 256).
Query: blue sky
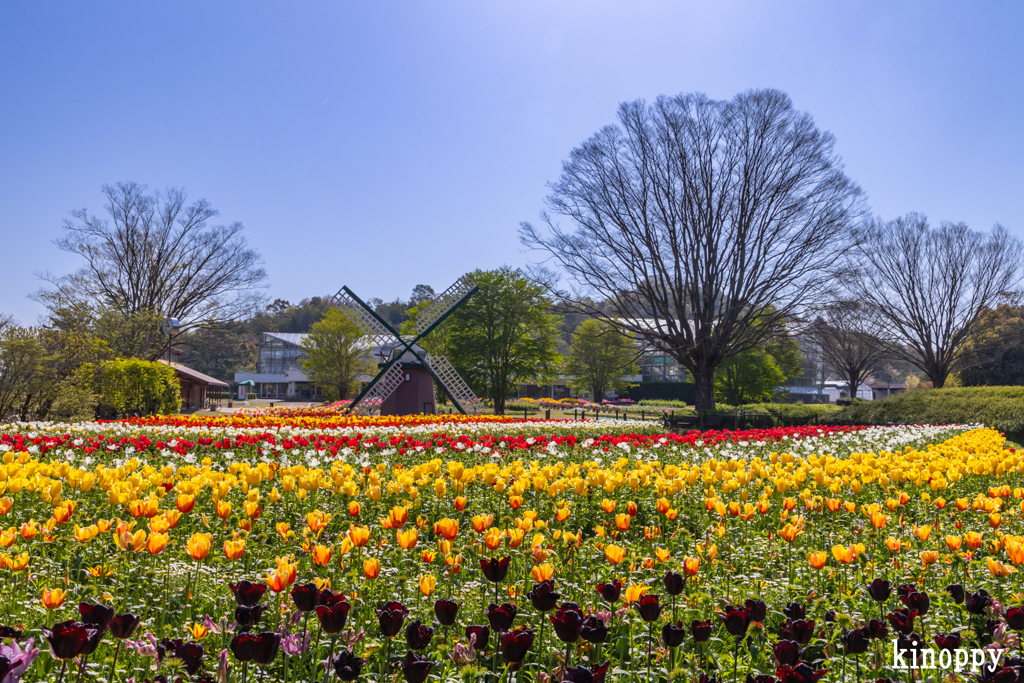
point(386, 144)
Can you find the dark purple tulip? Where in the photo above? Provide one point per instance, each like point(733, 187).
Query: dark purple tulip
point(567, 620)
point(700, 630)
point(9, 632)
point(611, 591)
point(977, 602)
point(1015, 618)
point(248, 616)
point(305, 597)
point(347, 666)
point(95, 616)
point(704, 678)
point(391, 617)
point(248, 593)
point(856, 640)
point(593, 629)
point(991, 625)
point(543, 596)
point(515, 644)
point(582, 674)
point(674, 582)
point(830, 616)
point(416, 668)
point(68, 638)
point(801, 673)
point(93, 643)
point(649, 608)
point(445, 610)
point(418, 635)
point(800, 630)
point(191, 656)
point(902, 620)
point(880, 590)
point(956, 591)
point(877, 629)
point(673, 634)
point(794, 611)
point(252, 647)
point(910, 643)
point(494, 569)
point(123, 625)
point(5, 667)
point(1004, 674)
point(905, 589)
point(333, 617)
point(329, 599)
point(167, 646)
point(787, 652)
point(482, 634)
point(948, 641)
point(763, 678)
point(500, 617)
point(736, 621)
point(756, 609)
point(918, 600)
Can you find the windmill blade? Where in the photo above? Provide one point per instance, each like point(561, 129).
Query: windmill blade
point(454, 384)
point(358, 314)
point(443, 303)
point(383, 387)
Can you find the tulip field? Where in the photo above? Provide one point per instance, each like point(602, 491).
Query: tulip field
point(307, 546)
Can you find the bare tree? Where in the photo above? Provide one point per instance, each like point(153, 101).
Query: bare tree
point(158, 254)
point(700, 219)
point(928, 286)
point(843, 333)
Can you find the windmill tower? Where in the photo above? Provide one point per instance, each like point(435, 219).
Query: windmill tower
point(405, 383)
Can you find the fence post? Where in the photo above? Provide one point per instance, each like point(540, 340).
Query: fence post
point(524, 413)
point(641, 416)
point(547, 414)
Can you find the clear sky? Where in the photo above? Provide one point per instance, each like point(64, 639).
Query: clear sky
point(385, 144)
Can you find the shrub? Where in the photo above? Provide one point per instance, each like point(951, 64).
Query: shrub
point(1001, 408)
point(130, 386)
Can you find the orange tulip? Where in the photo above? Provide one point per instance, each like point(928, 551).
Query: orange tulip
point(993, 520)
point(608, 506)
point(662, 554)
point(354, 508)
point(973, 540)
point(53, 599)
point(482, 522)
point(622, 521)
point(185, 503)
point(223, 509)
point(790, 532)
point(371, 568)
point(562, 514)
point(817, 559)
point(929, 557)
point(893, 544)
point(8, 537)
point(29, 530)
point(407, 538)
point(923, 532)
point(515, 502)
point(62, 512)
point(199, 545)
point(172, 517)
point(283, 529)
point(234, 549)
point(493, 538)
point(663, 505)
point(691, 565)
point(5, 505)
point(198, 631)
point(398, 517)
point(317, 521)
point(156, 543)
point(542, 572)
point(953, 542)
point(252, 509)
point(447, 528)
point(427, 584)
point(998, 569)
point(19, 562)
point(613, 553)
point(460, 503)
point(322, 554)
point(86, 534)
point(1015, 551)
point(633, 593)
point(878, 520)
point(359, 535)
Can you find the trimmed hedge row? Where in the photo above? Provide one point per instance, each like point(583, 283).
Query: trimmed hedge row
point(1000, 408)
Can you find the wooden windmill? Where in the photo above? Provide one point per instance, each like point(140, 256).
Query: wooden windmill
point(405, 383)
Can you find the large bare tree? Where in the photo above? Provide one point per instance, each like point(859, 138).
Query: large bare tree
point(843, 333)
point(705, 222)
point(157, 253)
point(929, 286)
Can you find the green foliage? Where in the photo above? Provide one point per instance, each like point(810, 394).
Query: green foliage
point(334, 358)
point(1001, 408)
point(73, 402)
point(24, 376)
point(219, 352)
point(504, 335)
point(995, 352)
point(130, 386)
point(599, 356)
point(753, 376)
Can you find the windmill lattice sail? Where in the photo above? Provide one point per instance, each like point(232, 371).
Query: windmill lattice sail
point(383, 388)
point(377, 333)
point(443, 303)
point(454, 383)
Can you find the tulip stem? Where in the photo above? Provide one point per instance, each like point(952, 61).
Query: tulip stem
point(568, 656)
point(857, 659)
point(245, 671)
point(650, 640)
point(63, 665)
point(330, 655)
point(735, 658)
point(117, 649)
point(81, 668)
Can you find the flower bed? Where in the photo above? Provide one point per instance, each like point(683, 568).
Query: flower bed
point(262, 546)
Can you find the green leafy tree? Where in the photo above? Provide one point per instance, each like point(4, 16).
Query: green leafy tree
point(335, 360)
point(130, 386)
point(23, 372)
point(753, 376)
point(504, 335)
point(599, 356)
